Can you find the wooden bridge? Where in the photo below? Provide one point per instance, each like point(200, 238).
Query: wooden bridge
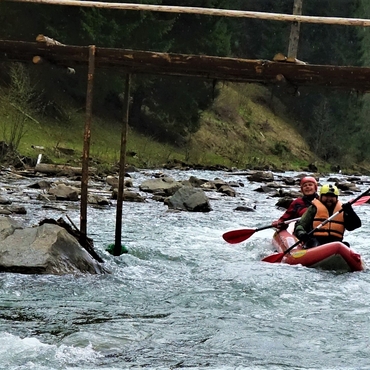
point(279, 70)
point(282, 71)
point(292, 72)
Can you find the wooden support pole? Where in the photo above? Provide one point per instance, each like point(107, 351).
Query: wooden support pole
point(207, 11)
point(294, 31)
point(122, 166)
point(86, 147)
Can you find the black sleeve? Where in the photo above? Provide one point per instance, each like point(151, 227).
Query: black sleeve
point(351, 221)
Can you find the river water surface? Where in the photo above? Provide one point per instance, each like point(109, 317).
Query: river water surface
point(184, 298)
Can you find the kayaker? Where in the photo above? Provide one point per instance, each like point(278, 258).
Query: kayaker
point(320, 210)
point(299, 206)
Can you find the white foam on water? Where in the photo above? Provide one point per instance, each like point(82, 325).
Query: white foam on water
point(29, 353)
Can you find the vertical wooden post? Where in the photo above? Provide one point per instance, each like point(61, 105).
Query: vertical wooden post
point(122, 165)
point(86, 148)
point(294, 31)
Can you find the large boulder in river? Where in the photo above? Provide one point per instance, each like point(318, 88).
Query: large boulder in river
point(260, 176)
point(64, 192)
point(164, 185)
point(190, 199)
point(46, 249)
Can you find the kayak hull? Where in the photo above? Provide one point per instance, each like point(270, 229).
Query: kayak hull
point(331, 256)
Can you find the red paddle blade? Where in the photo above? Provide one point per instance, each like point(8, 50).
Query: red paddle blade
point(238, 236)
point(274, 258)
point(362, 200)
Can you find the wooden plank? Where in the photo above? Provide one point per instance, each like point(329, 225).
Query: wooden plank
point(208, 11)
point(207, 67)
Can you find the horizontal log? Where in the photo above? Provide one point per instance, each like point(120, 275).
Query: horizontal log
point(50, 169)
point(39, 60)
point(207, 67)
point(47, 40)
point(208, 11)
point(279, 57)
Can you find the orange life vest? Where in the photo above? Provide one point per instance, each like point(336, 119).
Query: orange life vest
point(335, 227)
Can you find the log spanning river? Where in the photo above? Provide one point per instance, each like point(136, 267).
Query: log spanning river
point(184, 298)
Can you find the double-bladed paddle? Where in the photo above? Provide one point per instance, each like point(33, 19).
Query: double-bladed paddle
point(275, 258)
point(238, 236)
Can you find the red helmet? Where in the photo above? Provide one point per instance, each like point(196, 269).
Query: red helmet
point(308, 179)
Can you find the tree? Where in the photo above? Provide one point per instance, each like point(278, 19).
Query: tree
point(256, 38)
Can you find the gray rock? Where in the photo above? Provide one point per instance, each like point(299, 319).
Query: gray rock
point(245, 209)
point(227, 190)
point(46, 249)
point(166, 185)
point(261, 176)
point(64, 192)
point(189, 199)
point(129, 196)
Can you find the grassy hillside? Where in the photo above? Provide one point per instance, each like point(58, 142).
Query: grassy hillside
point(244, 128)
point(247, 128)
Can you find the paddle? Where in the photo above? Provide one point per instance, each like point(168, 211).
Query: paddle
point(275, 258)
point(238, 236)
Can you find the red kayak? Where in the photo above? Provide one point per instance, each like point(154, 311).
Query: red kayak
point(331, 256)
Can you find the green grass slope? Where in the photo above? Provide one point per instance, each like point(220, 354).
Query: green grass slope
point(244, 128)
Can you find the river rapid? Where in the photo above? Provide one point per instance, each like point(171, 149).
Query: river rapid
point(184, 298)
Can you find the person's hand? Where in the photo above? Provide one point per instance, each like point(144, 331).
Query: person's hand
point(303, 236)
point(347, 208)
point(280, 225)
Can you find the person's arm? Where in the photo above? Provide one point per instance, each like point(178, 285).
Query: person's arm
point(304, 225)
point(351, 219)
point(289, 214)
point(294, 211)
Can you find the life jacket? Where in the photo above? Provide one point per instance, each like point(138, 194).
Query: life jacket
point(335, 227)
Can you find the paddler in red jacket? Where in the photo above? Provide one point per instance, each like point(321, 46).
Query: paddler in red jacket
point(320, 210)
point(299, 206)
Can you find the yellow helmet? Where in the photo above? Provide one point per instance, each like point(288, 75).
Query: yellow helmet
point(329, 189)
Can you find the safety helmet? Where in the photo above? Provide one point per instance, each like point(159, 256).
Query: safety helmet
point(308, 179)
point(329, 189)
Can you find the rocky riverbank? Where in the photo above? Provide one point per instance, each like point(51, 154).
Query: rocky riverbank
point(61, 252)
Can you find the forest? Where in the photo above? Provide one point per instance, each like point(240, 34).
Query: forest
point(333, 123)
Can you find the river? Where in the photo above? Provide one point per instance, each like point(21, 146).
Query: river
point(184, 298)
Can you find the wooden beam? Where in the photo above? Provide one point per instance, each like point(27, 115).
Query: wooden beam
point(40, 61)
point(47, 40)
point(207, 11)
point(207, 67)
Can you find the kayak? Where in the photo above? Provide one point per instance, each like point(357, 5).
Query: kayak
point(331, 256)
